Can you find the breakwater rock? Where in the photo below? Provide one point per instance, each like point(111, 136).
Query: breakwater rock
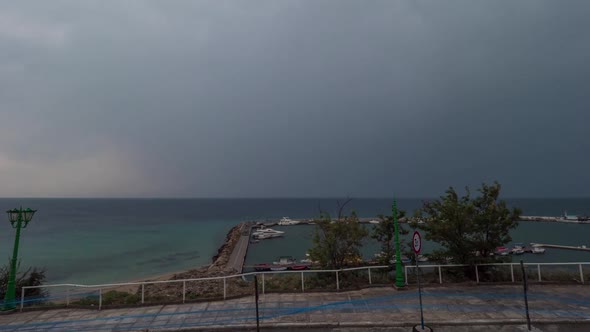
point(220, 260)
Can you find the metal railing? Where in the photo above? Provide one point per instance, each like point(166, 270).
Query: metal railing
point(477, 267)
point(100, 287)
point(306, 282)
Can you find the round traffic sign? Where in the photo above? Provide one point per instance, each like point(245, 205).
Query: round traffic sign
point(417, 242)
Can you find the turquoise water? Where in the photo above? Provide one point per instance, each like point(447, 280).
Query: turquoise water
point(109, 240)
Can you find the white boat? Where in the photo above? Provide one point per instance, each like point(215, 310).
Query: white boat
point(265, 236)
point(285, 260)
point(538, 250)
point(374, 221)
point(270, 231)
point(422, 258)
point(517, 251)
point(286, 221)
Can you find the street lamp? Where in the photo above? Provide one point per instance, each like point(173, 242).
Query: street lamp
point(399, 276)
point(18, 218)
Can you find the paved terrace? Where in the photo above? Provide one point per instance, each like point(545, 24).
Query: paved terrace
point(374, 308)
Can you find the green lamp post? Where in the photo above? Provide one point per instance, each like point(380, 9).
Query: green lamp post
point(19, 218)
point(399, 276)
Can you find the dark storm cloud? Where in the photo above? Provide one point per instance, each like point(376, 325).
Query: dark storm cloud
point(293, 98)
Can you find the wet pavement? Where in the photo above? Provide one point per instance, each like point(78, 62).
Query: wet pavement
point(468, 308)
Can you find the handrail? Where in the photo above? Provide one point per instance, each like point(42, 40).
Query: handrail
point(488, 264)
point(138, 283)
point(101, 287)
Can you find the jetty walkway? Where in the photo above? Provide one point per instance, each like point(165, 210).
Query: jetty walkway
point(458, 308)
point(238, 255)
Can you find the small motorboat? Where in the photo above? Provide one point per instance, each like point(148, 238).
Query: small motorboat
point(517, 251)
point(422, 258)
point(267, 231)
point(502, 251)
point(538, 250)
point(285, 260)
point(286, 221)
point(299, 267)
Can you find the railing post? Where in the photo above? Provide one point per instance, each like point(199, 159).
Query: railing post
point(302, 283)
point(370, 281)
point(22, 298)
point(263, 284)
point(439, 275)
point(476, 274)
point(581, 273)
point(224, 288)
point(406, 270)
point(99, 298)
point(539, 271)
point(512, 271)
point(67, 297)
point(337, 281)
point(184, 291)
point(142, 293)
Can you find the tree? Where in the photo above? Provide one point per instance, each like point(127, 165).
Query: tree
point(32, 276)
point(469, 229)
point(337, 243)
point(384, 233)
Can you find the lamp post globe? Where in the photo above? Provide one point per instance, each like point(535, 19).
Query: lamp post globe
point(19, 218)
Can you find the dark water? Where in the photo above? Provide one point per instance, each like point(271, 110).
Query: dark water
point(107, 240)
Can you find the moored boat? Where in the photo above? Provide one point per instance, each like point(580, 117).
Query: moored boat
point(502, 251)
point(299, 267)
point(285, 260)
point(286, 221)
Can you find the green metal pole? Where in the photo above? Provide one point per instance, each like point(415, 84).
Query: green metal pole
point(399, 276)
point(9, 300)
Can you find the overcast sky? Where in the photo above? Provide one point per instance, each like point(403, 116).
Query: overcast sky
point(284, 98)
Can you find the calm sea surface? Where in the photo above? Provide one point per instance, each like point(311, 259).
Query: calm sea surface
point(109, 240)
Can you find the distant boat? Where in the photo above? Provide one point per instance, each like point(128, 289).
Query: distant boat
point(517, 249)
point(374, 221)
point(571, 218)
point(422, 258)
point(501, 251)
point(299, 267)
point(285, 260)
point(266, 233)
point(286, 221)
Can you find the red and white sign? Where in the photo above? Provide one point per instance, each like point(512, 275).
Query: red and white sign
point(417, 242)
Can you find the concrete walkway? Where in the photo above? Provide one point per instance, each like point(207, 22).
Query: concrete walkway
point(238, 255)
point(377, 309)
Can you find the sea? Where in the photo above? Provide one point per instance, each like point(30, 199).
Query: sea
point(90, 241)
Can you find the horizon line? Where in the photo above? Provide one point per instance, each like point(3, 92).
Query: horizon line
point(280, 197)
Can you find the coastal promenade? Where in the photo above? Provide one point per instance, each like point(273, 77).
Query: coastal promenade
point(460, 308)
